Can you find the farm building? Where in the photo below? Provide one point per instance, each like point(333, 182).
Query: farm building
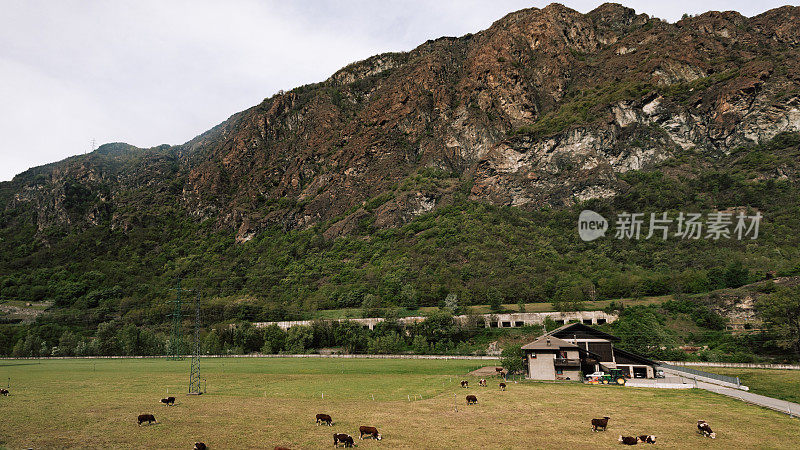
point(565, 352)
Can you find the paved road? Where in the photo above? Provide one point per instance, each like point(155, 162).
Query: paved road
point(793, 409)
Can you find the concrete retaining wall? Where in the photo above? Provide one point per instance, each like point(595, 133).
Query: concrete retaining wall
point(509, 320)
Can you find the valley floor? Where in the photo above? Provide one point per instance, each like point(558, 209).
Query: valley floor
point(263, 402)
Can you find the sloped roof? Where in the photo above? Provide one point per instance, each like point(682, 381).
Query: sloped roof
point(634, 357)
point(549, 343)
point(578, 327)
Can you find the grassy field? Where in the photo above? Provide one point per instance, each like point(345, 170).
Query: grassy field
point(263, 402)
point(782, 384)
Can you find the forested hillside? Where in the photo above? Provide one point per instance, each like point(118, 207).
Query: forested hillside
point(456, 169)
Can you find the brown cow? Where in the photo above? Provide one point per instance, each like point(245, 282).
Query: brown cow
point(149, 418)
point(343, 438)
point(324, 418)
point(281, 448)
point(200, 446)
point(482, 382)
point(369, 431)
point(169, 401)
point(600, 423)
point(502, 386)
point(629, 440)
point(472, 400)
point(647, 439)
point(705, 428)
point(464, 383)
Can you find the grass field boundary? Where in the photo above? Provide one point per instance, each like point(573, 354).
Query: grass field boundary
point(258, 355)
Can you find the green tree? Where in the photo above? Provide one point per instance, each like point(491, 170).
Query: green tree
point(420, 345)
point(371, 306)
point(641, 330)
point(512, 359)
point(130, 340)
point(274, 339)
point(107, 342)
point(67, 344)
point(495, 300)
point(298, 339)
point(387, 344)
point(212, 344)
point(781, 311)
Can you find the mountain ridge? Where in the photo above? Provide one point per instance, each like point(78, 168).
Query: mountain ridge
point(459, 167)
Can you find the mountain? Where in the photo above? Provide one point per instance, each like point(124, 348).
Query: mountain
point(456, 167)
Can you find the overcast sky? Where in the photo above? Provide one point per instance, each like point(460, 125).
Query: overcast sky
point(154, 72)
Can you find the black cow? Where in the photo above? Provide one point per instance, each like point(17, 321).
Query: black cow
point(4, 392)
point(369, 431)
point(502, 386)
point(472, 400)
point(200, 446)
point(345, 439)
point(464, 384)
point(629, 440)
point(705, 428)
point(324, 418)
point(169, 401)
point(647, 439)
point(600, 423)
point(149, 418)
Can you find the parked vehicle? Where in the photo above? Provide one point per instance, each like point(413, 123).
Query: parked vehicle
point(595, 375)
point(616, 376)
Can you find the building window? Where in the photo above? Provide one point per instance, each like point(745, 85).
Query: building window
point(519, 324)
point(601, 321)
point(506, 324)
point(587, 321)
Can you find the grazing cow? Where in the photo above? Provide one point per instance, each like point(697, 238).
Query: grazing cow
point(4, 392)
point(369, 431)
point(464, 383)
point(200, 446)
point(502, 386)
point(149, 418)
point(472, 400)
point(498, 370)
point(169, 401)
point(705, 428)
point(482, 382)
point(647, 439)
point(324, 418)
point(600, 423)
point(629, 440)
point(343, 438)
point(281, 448)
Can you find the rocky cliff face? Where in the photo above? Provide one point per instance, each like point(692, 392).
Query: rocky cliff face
point(546, 107)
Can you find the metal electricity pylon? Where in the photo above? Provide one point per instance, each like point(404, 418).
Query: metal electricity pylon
point(194, 371)
point(174, 350)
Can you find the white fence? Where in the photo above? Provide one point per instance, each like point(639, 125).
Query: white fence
point(734, 365)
